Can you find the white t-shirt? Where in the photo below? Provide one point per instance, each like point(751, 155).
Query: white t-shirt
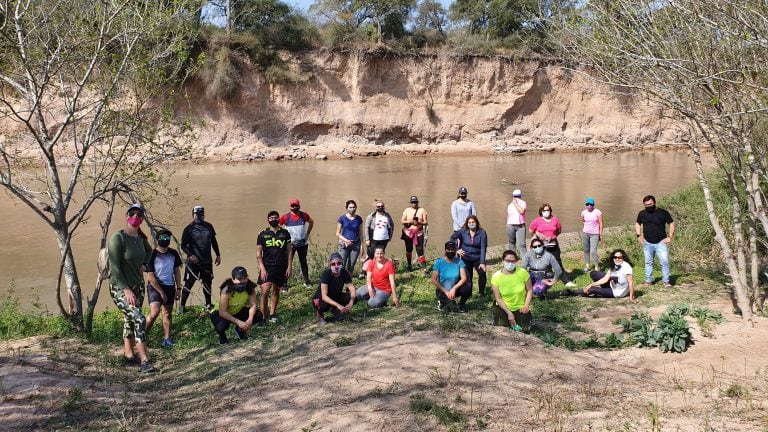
point(513, 216)
point(619, 283)
point(591, 222)
point(381, 227)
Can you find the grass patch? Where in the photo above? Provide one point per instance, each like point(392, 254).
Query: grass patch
point(444, 415)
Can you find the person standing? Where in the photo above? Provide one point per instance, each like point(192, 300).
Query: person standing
point(592, 218)
point(651, 232)
point(164, 286)
point(516, 222)
point(196, 241)
point(299, 224)
point(349, 231)
point(414, 233)
point(461, 209)
point(473, 242)
point(273, 251)
point(128, 250)
point(378, 229)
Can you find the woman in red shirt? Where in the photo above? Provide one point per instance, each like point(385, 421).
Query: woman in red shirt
point(380, 280)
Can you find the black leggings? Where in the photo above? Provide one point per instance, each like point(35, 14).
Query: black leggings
point(419, 245)
point(376, 244)
point(302, 250)
point(221, 325)
point(470, 265)
point(463, 293)
point(323, 307)
point(194, 272)
point(603, 290)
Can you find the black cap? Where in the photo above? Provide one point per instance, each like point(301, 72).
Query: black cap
point(462, 190)
point(198, 209)
point(414, 199)
point(239, 273)
point(450, 245)
point(162, 231)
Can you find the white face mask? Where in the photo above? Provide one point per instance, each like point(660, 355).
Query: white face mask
point(546, 213)
point(471, 225)
point(509, 266)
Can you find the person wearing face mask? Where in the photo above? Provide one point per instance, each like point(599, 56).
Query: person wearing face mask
point(449, 278)
point(273, 251)
point(349, 231)
point(299, 224)
point(378, 229)
point(592, 218)
point(516, 222)
point(380, 282)
point(617, 282)
point(546, 228)
point(237, 306)
point(330, 295)
point(544, 269)
point(513, 292)
point(461, 209)
point(196, 241)
point(128, 251)
point(164, 279)
point(473, 243)
point(414, 233)
point(650, 228)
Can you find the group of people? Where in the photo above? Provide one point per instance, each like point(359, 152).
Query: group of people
point(526, 271)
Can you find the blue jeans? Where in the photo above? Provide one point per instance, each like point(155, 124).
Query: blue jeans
point(661, 251)
point(349, 255)
point(378, 300)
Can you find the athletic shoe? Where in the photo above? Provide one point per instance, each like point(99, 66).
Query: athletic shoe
point(167, 343)
point(130, 361)
point(147, 368)
point(440, 306)
point(273, 319)
point(208, 308)
point(585, 270)
point(462, 308)
point(570, 284)
point(307, 284)
point(667, 285)
point(285, 289)
point(239, 333)
point(321, 321)
point(338, 317)
point(223, 339)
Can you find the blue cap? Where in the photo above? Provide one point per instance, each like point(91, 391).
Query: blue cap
point(589, 201)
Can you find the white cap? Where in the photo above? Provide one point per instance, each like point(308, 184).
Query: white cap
point(517, 193)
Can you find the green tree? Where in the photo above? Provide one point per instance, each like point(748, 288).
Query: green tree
point(431, 14)
point(390, 15)
point(83, 87)
point(493, 18)
point(704, 61)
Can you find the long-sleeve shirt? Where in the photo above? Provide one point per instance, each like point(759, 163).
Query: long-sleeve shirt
point(540, 267)
point(126, 256)
point(197, 239)
point(474, 247)
point(370, 221)
point(460, 211)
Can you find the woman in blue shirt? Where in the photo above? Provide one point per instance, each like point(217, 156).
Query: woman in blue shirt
point(349, 231)
point(449, 278)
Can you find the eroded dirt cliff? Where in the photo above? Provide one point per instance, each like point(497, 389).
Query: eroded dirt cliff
point(348, 104)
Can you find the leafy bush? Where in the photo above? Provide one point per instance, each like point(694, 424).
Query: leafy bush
point(671, 333)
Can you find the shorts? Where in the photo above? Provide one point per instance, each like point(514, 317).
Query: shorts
point(276, 276)
point(154, 296)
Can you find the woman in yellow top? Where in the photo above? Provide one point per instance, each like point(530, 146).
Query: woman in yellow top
point(237, 305)
point(513, 293)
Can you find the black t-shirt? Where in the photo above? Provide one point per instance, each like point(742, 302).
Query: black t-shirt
point(335, 283)
point(273, 246)
point(654, 224)
point(197, 239)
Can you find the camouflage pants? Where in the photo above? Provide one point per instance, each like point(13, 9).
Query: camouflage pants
point(135, 323)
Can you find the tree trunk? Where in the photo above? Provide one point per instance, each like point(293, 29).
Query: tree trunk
point(70, 277)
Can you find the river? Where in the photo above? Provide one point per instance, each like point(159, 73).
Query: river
point(237, 198)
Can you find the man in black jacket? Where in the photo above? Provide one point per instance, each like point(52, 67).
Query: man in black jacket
point(196, 241)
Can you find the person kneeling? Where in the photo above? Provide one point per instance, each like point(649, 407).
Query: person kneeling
point(449, 276)
point(380, 281)
point(330, 294)
point(236, 293)
point(513, 293)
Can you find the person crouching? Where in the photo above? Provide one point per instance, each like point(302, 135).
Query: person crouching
point(237, 305)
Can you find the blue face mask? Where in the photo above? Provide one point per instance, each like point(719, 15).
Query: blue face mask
point(509, 266)
point(538, 250)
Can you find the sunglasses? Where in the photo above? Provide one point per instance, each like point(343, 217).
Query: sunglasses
point(336, 264)
point(136, 213)
point(618, 257)
point(379, 208)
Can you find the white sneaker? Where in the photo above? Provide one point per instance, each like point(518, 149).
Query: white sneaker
point(570, 284)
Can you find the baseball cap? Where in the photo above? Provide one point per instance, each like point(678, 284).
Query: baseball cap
point(449, 245)
point(517, 193)
point(239, 273)
point(198, 209)
point(462, 190)
point(335, 257)
point(294, 202)
point(589, 201)
point(163, 232)
point(414, 199)
point(136, 206)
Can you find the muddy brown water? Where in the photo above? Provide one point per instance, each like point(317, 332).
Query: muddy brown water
point(238, 197)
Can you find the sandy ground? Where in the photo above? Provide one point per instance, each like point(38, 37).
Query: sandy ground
point(499, 381)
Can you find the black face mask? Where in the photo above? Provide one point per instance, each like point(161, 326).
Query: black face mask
point(164, 243)
point(239, 287)
point(380, 210)
point(450, 255)
point(616, 267)
point(650, 209)
point(274, 223)
point(295, 209)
